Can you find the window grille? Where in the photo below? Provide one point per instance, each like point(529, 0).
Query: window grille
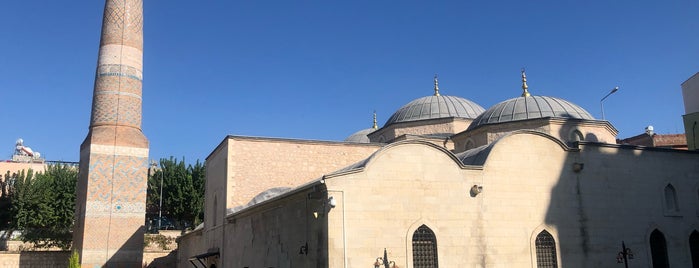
point(424, 248)
point(546, 251)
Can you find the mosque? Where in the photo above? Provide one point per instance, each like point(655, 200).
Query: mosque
point(533, 181)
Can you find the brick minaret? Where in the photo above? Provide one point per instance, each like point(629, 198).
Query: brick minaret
point(111, 194)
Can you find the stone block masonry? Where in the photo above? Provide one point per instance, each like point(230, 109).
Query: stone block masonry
point(112, 184)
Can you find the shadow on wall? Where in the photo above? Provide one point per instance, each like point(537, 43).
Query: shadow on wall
point(124, 257)
point(164, 262)
point(608, 194)
point(44, 258)
point(131, 253)
point(591, 137)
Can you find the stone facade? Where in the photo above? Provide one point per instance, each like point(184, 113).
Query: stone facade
point(247, 166)
point(39, 259)
point(114, 157)
point(53, 259)
point(292, 235)
point(691, 126)
point(444, 126)
point(549, 188)
point(588, 199)
point(13, 167)
point(189, 245)
point(690, 95)
point(567, 130)
point(524, 193)
point(253, 165)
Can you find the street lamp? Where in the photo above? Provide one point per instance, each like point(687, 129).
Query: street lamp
point(160, 206)
point(602, 100)
point(384, 261)
point(624, 255)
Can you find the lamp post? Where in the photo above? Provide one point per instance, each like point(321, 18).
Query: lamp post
point(154, 166)
point(160, 206)
point(601, 104)
point(384, 261)
point(624, 255)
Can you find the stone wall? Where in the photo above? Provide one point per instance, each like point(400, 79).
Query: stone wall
point(563, 129)
point(34, 259)
point(690, 128)
point(18, 245)
point(240, 168)
point(163, 241)
point(13, 167)
point(160, 259)
point(53, 259)
point(690, 94)
point(421, 127)
point(588, 199)
point(189, 245)
point(529, 185)
point(402, 188)
point(282, 234)
point(258, 164)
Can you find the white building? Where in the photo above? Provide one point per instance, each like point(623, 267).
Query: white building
point(533, 181)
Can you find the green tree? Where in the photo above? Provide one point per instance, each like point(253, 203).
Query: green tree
point(24, 199)
point(198, 176)
point(58, 185)
point(43, 204)
point(182, 192)
point(7, 208)
point(5, 202)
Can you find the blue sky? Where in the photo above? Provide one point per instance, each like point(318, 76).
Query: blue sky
point(318, 69)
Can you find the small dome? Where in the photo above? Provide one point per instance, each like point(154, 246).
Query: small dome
point(360, 136)
point(530, 107)
point(433, 107)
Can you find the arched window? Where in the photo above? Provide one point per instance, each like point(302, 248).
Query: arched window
point(658, 249)
point(694, 248)
point(424, 248)
point(546, 250)
point(671, 199)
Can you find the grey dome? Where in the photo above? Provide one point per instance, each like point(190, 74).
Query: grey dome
point(360, 136)
point(530, 107)
point(433, 107)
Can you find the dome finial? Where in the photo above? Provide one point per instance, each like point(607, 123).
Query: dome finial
point(525, 88)
point(436, 85)
point(375, 125)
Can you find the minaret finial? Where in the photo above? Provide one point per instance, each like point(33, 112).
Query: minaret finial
point(436, 85)
point(375, 125)
point(525, 88)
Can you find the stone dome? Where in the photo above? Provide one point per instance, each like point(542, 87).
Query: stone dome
point(360, 136)
point(433, 107)
point(530, 107)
